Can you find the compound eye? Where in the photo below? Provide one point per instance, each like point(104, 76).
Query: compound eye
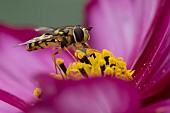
point(79, 34)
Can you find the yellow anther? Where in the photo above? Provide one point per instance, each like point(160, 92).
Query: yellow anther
point(101, 62)
point(122, 65)
point(108, 71)
point(70, 67)
point(87, 69)
point(37, 93)
point(98, 55)
point(91, 51)
point(59, 61)
point(120, 58)
point(117, 71)
point(112, 61)
point(58, 76)
point(76, 74)
point(95, 72)
point(131, 72)
point(95, 64)
point(105, 53)
point(92, 60)
point(79, 54)
point(78, 65)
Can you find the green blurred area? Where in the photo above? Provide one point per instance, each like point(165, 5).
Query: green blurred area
point(42, 12)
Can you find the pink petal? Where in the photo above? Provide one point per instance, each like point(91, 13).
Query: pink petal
point(13, 101)
point(87, 96)
point(6, 108)
point(120, 26)
point(158, 92)
point(154, 63)
point(18, 67)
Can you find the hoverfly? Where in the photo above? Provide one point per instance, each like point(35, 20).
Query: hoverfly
point(61, 37)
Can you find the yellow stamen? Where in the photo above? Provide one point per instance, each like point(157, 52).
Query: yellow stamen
point(101, 62)
point(37, 93)
point(58, 76)
point(60, 65)
point(90, 52)
point(59, 61)
point(79, 54)
point(106, 53)
point(93, 63)
point(108, 71)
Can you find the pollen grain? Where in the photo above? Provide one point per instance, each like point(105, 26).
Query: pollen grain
point(37, 93)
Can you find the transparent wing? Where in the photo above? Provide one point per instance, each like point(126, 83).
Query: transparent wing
point(47, 33)
point(37, 39)
point(45, 29)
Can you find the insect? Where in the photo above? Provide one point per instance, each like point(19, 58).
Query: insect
point(60, 37)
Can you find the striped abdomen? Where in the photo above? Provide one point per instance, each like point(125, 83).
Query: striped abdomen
point(42, 44)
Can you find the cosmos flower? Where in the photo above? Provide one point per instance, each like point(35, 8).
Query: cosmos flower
point(138, 31)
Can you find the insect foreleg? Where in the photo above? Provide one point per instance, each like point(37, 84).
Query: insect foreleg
point(85, 45)
point(58, 51)
point(55, 64)
point(71, 54)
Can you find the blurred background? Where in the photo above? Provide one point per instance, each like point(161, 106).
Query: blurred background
point(42, 12)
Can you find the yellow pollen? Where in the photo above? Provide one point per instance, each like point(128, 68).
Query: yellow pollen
point(37, 93)
point(59, 61)
point(108, 71)
point(101, 62)
point(93, 63)
point(79, 54)
point(105, 53)
point(95, 72)
point(90, 51)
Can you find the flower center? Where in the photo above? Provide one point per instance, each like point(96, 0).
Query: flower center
point(93, 63)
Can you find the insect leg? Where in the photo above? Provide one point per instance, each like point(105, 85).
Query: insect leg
point(85, 45)
point(56, 66)
point(65, 48)
point(60, 50)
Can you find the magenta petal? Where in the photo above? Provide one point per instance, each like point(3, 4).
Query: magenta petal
point(120, 26)
point(6, 108)
point(154, 63)
point(17, 66)
point(87, 96)
point(161, 107)
point(158, 92)
point(13, 100)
